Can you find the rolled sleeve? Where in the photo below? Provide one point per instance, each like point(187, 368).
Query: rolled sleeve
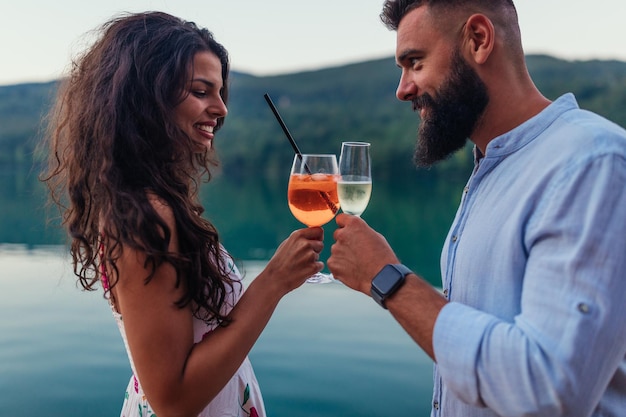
point(457, 345)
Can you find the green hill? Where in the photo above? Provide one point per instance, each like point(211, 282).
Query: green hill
point(323, 108)
point(21, 109)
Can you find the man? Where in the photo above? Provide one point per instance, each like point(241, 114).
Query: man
point(531, 319)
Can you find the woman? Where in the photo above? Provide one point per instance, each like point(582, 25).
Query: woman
point(132, 136)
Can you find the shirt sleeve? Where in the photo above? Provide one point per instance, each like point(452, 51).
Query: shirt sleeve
point(560, 353)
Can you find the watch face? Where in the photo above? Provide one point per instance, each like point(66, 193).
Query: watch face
point(387, 279)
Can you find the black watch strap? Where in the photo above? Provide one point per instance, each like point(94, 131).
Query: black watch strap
point(387, 282)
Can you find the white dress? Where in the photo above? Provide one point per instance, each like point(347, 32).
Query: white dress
point(240, 397)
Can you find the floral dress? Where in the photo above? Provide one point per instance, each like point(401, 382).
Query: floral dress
point(240, 397)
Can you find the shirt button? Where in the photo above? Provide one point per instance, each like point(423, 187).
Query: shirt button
point(445, 293)
point(436, 405)
point(583, 308)
point(455, 238)
point(466, 190)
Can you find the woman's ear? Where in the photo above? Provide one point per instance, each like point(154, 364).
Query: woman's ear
point(479, 34)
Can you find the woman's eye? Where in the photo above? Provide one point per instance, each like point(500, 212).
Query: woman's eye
point(200, 93)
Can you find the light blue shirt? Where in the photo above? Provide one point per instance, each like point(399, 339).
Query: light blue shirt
point(535, 268)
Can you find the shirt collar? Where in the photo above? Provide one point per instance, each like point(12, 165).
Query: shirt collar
point(525, 133)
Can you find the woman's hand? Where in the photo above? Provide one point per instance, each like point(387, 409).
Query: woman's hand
point(296, 259)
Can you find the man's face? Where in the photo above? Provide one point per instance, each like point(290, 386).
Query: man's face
point(450, 115)
point(445, 90)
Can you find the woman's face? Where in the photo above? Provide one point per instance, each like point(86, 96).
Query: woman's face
point(202, 106)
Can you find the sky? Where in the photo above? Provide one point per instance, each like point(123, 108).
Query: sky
point(38, 38)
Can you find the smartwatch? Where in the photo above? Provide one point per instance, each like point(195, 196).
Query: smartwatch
point(387, 282)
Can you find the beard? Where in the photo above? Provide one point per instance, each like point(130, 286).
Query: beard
point(451, 116)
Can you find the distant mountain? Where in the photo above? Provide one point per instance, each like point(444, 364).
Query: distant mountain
point(323, 108)
point(21, 110)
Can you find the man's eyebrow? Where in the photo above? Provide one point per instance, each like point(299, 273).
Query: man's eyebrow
point(403, 56)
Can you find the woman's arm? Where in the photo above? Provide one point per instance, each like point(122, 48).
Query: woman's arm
point(179, 377)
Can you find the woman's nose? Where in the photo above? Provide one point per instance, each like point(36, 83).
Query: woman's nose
point(218, 108)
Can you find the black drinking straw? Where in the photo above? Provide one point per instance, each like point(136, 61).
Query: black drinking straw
point(283, 125)
point(324, 195)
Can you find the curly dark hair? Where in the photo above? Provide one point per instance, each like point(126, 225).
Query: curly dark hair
point(114, 142)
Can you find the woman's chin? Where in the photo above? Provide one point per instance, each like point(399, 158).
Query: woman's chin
point(204, 146)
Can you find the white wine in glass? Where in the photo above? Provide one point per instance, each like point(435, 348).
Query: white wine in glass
point(354, 187)
point(312, 194)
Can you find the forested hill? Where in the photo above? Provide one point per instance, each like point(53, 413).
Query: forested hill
point(323, 108)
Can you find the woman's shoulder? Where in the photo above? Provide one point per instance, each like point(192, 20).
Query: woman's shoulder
point(161, 207)
point(164, 210)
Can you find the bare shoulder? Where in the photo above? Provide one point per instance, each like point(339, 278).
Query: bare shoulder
point(164, 210)
point(133, 262)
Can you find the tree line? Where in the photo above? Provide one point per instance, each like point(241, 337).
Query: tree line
point(322, 108)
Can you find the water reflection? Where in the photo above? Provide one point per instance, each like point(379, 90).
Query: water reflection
point(327, 350)
point(253, 218)
point(413, 214)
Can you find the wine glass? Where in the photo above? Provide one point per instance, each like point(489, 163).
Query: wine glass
point(312, 194)
point(355, 183)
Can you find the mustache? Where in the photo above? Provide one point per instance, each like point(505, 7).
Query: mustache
point(422, 101)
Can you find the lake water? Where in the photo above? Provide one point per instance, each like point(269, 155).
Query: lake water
point(328, 351)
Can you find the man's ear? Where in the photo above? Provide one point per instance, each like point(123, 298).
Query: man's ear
point(479, 36)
